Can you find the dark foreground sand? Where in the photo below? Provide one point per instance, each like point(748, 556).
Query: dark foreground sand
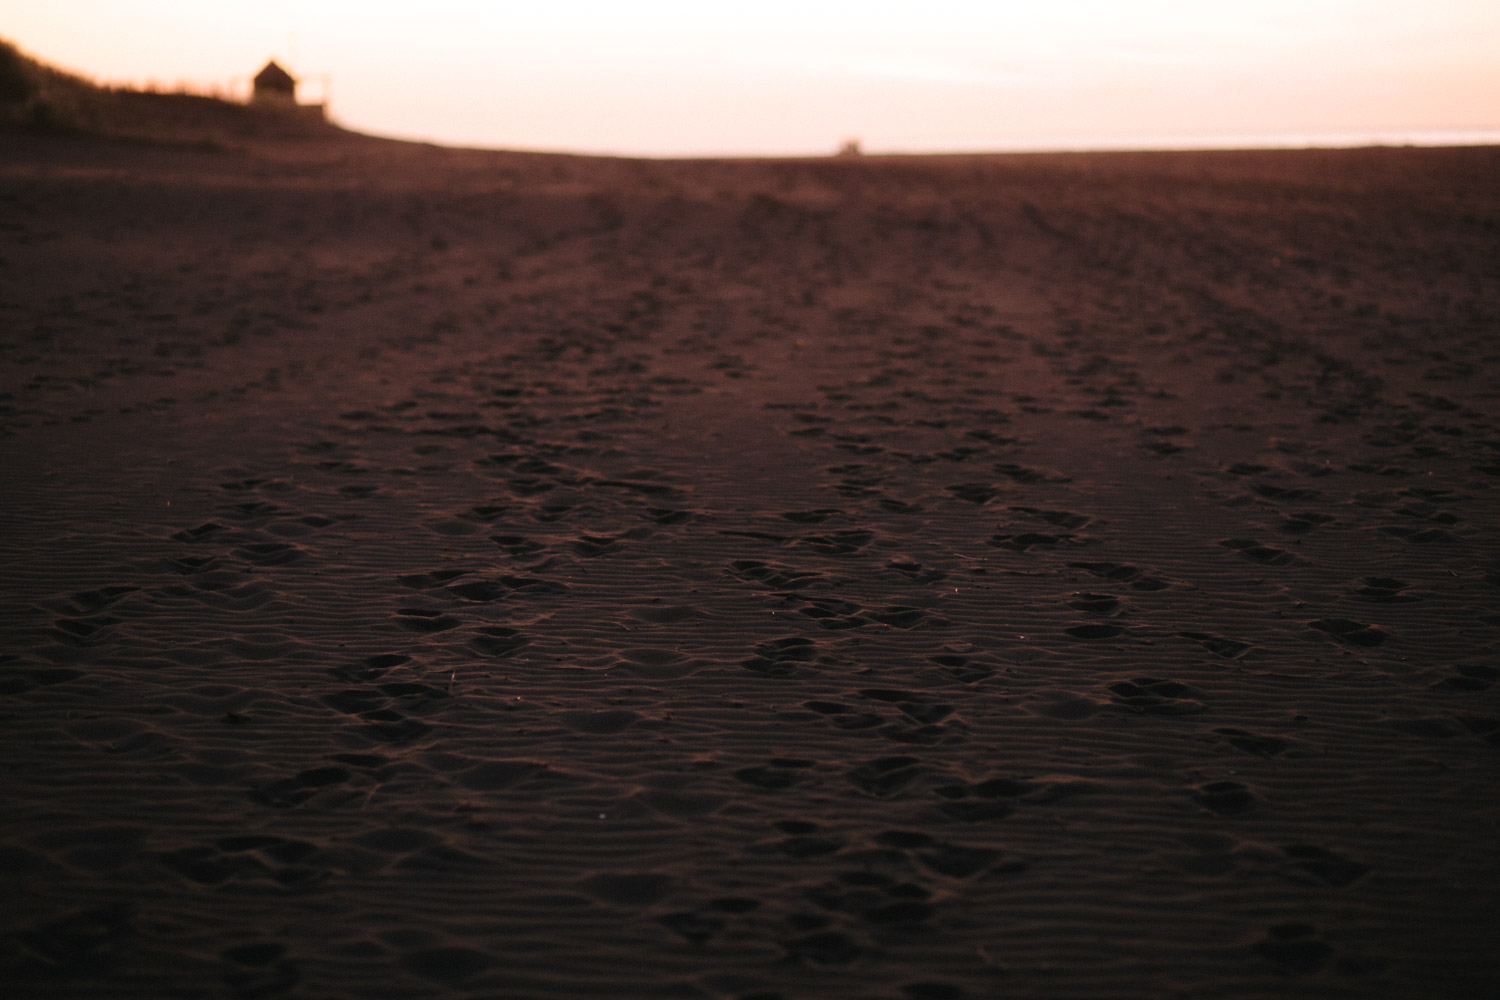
point(435, 573)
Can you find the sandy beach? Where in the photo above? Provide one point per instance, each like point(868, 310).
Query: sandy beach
point(433, 573)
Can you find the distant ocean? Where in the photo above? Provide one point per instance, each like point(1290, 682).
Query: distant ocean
point(1054, 144)
point(1281, 140)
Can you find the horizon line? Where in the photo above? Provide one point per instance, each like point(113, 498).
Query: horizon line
point(1180, 142)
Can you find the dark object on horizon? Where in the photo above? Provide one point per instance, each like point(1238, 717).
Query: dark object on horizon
point(274, 85)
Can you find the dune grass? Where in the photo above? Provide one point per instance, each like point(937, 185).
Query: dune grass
point(40, 99)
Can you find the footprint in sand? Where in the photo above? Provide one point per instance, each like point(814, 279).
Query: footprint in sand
point(1057, 518)
point(823, 948)
point(371, 667)
point(518, 545)
point(259, 969)
point(1386, 590)
point(1103, 605)
point(802, 841)
point(1229, 649)
point(1294, 947)
point(771, 575)
point(87, 602)
point(191, 565)
point(251, 510)
point(817, 516)
point(593, 546)
point(1225, 798)
point(1468, 677)
point(976, 493)
point(963, 668)
point(83, 632)
point(269, 553)
point(1285, 494)
point(1153, 696)
point(425, 620)
point(885, 776)
point(429, 581)
point(1301, 524)
point(956, 861)
point(1096, 632)
point(1352, 632)
point(1134, 576)
point(628, 889)
point(15, 680)
point(840, 543)
point(665, 516)
point(1068, 706)
point(778, 773)
point(915, 572)
point(1314, 865)
point(1022, 474)
point(698, 926)
point(875, 899)
point(914, 706)
point(485, 513)
point(1021, 542)
point(82, 942)
point(296, 790)
point(831, 614)
point(1420, 536)
point(1261, 746)
point(606, 722)
point(479, 591)
point(781, 657)
point(843, 716)
point(1266, 554)
point(695, 928)
point(450, 966)
point(497, 640)
point(250, 857)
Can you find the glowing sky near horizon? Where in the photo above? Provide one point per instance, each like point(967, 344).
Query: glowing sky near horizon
point(671, 77)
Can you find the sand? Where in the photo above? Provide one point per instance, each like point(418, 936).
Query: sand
point(447, 573)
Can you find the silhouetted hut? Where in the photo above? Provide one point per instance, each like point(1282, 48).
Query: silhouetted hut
point(274, 85)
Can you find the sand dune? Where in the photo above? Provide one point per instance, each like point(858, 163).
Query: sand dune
point(435, 572)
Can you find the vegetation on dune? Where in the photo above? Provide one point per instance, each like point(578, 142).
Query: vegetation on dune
point(30, 92)
point(41, 99)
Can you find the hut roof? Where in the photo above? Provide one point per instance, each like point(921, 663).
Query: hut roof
point(273, 77)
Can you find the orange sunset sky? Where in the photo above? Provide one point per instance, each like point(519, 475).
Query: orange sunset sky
point(670, 77)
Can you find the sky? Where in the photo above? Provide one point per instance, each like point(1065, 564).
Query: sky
point(777, 77)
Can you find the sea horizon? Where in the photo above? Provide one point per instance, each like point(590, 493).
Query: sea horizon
point(1162, 142)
